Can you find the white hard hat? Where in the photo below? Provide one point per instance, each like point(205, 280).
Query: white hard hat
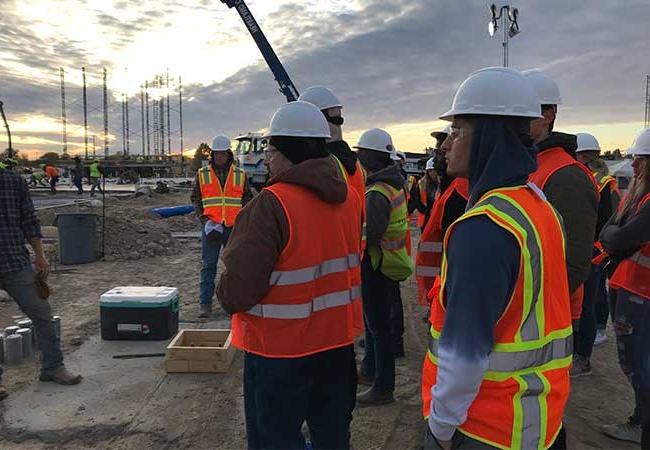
point(641, 145)
point(377, 140)
point(398, 156)
point(546, 87)
point(430, 164)
point(446, 130)
point(587, 143)
point(298, 119)
point(495, 91)
point(220, 143)
point(321, 97)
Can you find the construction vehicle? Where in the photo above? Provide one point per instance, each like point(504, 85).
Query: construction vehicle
point(249, 156)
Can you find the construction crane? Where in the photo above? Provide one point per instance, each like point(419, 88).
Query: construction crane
point(281, 76)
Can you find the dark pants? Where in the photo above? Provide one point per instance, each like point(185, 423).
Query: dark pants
point(78, 183)
point(21, 286)
point(461, 441)
point(280, 394)
point(602, 306)
point(96, 184)
point(210, 250)
point(594, 294)
point(379, 294)
point(632, 326)
point(397, 324)
point(53, 182)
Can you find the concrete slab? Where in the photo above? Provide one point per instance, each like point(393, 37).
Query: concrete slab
point(112, 394)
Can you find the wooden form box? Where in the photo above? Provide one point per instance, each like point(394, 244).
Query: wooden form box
point(200, 351)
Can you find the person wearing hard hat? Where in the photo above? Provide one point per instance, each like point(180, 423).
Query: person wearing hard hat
point(568, 185)
point(595, 303)
point(96, 172)
point(386, 262)
point(424, 192)
point(292, 283)
point(220, 192)
point(331, 107)
point(496, 372)
point(626, 239)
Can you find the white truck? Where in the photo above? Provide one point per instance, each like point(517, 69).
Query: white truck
point(249, 156)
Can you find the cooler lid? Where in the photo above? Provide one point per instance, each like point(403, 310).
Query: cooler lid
point(147, 296)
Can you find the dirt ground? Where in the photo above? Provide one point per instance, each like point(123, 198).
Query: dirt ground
point(212, 417)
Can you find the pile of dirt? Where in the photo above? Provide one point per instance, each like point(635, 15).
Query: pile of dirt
point(132, 231)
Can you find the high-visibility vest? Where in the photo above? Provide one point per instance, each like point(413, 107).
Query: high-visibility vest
point(94, 171)
point(221, 205)
point(607, 181)
point(429, 255)
point(422, 188)
point(633, 273)
point(521, 399)
point(314, 300)
point(550, 161)
point(603, 183)
point(391, 256)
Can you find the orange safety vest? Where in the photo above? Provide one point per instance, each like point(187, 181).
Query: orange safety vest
point(51, 171)
point(633, 273)
point(521, 399)
point(429, 253)
point(314, 300)
point(219, 205)
point(603, 182)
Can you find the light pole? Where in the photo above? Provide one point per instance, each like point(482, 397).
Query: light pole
point(509, 24)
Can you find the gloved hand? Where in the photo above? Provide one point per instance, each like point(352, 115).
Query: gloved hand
point(213, 231)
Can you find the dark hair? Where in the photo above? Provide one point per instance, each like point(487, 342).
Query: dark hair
point(546, 108)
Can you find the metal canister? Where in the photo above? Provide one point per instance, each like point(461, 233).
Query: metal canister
point(26, 333)
point(24, 323)
point(13, 347)
point(11, 330)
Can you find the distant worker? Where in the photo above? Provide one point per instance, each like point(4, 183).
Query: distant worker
point(423, 194)
point(52, 175)
point(292, 284)
point(496, 373)
point(449, 204)
point(37, 179)
point(595, 291)
point(19, 225)
point(385, 263)
point(96, 174)
point(220, 191)
point(77, 175)
point(567, 184)
point(626, 239)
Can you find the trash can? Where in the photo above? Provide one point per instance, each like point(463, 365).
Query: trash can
point(77, 237)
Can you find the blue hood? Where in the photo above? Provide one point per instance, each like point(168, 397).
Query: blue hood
point(499, 158)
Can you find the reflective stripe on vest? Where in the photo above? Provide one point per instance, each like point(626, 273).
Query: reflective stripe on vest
point(392, 256)
point(282, 278)
point(304, 310)
point(221, 204)
point(527, 374)
point(357, 184)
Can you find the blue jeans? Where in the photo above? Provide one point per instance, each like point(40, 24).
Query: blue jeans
point(209, 258)
point(379, 295)
point(21, 286)
point(280, 394)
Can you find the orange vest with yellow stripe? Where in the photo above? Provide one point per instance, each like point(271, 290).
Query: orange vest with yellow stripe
point(221, 205)
point(314, 300)
point(429, 255)
point(633, 273)
point(550, 161)
point(522, 397)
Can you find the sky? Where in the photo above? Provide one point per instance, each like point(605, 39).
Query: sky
point(395, 64)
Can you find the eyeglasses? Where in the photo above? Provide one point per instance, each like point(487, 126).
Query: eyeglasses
point(458, 132)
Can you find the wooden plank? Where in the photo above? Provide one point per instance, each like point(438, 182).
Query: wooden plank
point(200, 351)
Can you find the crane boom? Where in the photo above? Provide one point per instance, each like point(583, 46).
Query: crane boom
point(281, 76)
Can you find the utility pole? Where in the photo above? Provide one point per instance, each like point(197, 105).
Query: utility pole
point(105, 116)
point(161, 108)
point(123, 126)
point(156, 116)
point(94, 150)
point(169, 136)
point(144, 136)
point(128, 133)
point(146, 100)
point(83, 73)
point(647, 101)
point(509, 24)
point(63, 115)
point(10, 151)
point(180, 116)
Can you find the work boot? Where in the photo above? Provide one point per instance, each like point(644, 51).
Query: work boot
point(581, 366)
point(601, 337)
point(3, 392)
point(364, 379)
point(628, 431)
point(205, 311)
point(61, 376)
point(375, 397)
